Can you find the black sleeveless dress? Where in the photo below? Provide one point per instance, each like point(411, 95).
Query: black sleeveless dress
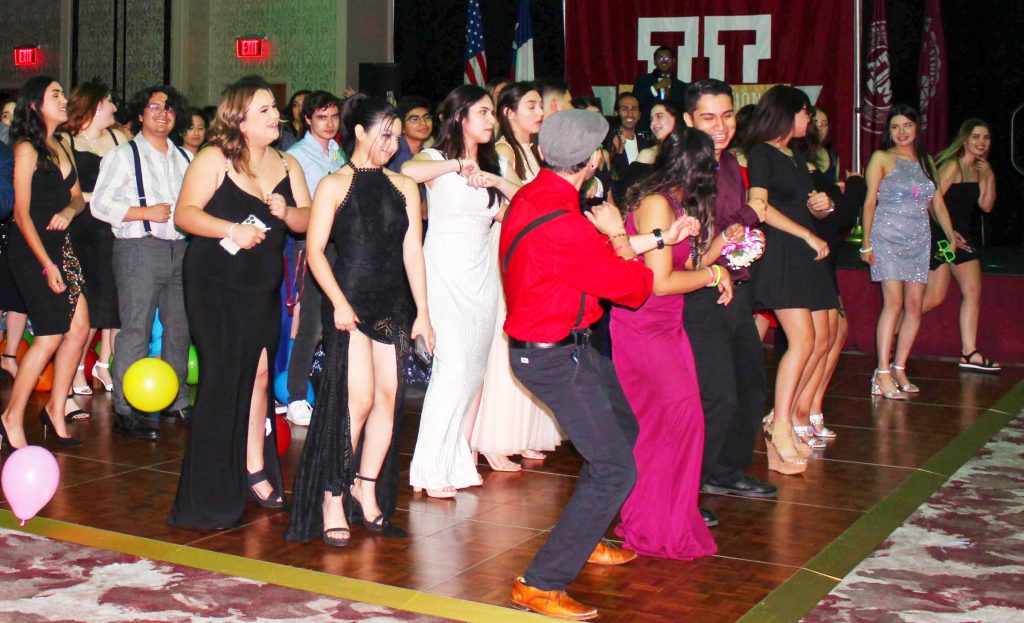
point(49, 312)
point(368, 231)
point(961, 201)
point(94, 243)
point(234, 313)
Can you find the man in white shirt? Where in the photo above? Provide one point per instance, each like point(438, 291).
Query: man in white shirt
point(319, 156)
point(148, 250)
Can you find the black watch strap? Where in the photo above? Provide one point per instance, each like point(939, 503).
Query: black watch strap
point(659, 238)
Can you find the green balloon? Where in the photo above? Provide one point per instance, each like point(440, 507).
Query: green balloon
point(28, 337)
point(193, 366)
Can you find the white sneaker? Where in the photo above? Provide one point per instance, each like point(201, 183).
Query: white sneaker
point(299, 413)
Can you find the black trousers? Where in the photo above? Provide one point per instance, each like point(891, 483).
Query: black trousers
point(730, 372)
point(580, 387)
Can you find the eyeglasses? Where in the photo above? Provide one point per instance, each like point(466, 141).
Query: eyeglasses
point(821, 124)
point(663, 57)
point(157, 107)
point(420, 119)
point(946, 253)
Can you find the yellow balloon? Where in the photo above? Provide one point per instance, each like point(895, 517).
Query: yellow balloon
point(150, 385)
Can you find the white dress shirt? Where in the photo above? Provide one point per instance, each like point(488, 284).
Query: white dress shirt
point(116, 190)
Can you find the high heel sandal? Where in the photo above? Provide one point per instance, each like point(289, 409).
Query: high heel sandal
point(777, 462)
point(82, 390)
point(497, 466)
point(807, 436)
point(336, 541)
point(47, 423)
point(876, 389)
point(908, 387)
point(377, 524)
point(77, 413)
point(818, 426)
point(272, 501)
point(107, 386)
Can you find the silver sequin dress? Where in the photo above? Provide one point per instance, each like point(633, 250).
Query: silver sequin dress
point(900, 235)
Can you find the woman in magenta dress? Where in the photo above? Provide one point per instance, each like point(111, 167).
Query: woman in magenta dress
point(653, 358)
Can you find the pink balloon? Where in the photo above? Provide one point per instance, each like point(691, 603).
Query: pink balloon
point(30, 479)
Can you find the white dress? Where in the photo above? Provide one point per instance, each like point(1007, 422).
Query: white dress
point(462, 296)
point(510, 419)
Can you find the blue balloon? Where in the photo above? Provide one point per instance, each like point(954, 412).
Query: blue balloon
point(157, 336)
point(281, 389)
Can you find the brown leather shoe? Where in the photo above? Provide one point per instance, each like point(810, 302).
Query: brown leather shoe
point(605, 554)
point(550, 603)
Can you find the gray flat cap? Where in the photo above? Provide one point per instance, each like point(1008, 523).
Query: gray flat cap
point(569, 137)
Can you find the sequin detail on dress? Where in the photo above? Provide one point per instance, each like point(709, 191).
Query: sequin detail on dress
point(900, 234)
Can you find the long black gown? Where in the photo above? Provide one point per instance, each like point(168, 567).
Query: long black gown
point(94, 243)
point(234, 313)
point(368, 231)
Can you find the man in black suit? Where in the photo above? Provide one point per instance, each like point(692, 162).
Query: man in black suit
point(659, 85)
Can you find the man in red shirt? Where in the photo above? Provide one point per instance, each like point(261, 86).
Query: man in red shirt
point(556, 266)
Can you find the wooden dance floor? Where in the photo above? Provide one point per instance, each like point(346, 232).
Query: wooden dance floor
point(776, 558)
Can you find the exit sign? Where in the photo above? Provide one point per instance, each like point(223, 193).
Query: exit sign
point(250, 47)
point(27, 56)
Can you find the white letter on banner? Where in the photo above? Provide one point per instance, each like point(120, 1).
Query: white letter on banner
point(685, 53)
point(760, 50)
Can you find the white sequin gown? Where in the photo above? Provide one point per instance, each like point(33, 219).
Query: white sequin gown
point(462, 295)
point(510, 419)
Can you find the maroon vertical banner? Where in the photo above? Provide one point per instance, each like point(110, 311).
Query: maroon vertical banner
point(933, 80)
point(805, 43)
point(877, 84)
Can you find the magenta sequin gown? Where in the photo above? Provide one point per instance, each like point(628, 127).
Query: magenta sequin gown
point(655, 367)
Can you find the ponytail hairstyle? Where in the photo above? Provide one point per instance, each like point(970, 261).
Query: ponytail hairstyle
point(27, 122)
point(368, 112)
point(511, 95)
point(450, 140)
point(686, 162)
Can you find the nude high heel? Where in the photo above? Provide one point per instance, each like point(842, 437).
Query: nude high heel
point(908, 387)
point(789, 464)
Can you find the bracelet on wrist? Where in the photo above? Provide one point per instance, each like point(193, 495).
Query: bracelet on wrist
point(718, 274)
point(459, 162)
point(622, 235)
point(231, 229)
point(866, 250)
point(711, 274)
point(658, 238)
point(48, 267)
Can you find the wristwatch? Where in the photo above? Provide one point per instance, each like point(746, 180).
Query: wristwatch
point(658, 238)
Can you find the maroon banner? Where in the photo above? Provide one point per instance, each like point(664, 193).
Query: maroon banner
point(805, 43)
point(877, 84)
point(932, 80)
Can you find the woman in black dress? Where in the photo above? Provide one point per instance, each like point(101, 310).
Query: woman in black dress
point(238, 197)
point(373, 217)
point(967, 183)
point(90, 117)
point(789, 279)
point(46, 199)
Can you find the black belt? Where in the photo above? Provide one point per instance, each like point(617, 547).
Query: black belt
point(580, 337)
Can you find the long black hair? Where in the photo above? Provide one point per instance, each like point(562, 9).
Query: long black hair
point(686, 161)
point(450, 142)
point(920, 152)
point(27, 122)
point(509, 100)
point(775, 113)
point(369, 112)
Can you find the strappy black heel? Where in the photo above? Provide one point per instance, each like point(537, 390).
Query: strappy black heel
point(273, 501)
point(377, 525)
point(336, 541)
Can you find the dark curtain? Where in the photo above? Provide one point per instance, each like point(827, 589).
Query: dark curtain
point(430, 36)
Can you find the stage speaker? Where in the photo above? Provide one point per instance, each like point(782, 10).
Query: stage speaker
point(381, 80)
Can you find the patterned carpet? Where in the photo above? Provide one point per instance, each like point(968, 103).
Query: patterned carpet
point(46, 580)
point(957, 559)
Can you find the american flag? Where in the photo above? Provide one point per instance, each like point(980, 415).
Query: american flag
point(476, 58)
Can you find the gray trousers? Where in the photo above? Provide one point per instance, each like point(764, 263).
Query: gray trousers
point(310, 329)
point(148, 276)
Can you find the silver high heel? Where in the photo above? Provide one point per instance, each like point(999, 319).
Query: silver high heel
point(895, 394)
point(807, 435)
point(908, 387)
point(109, 387)
point(818, 424)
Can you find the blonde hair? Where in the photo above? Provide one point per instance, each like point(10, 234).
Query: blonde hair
point(226, 131)
point(956, 148)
